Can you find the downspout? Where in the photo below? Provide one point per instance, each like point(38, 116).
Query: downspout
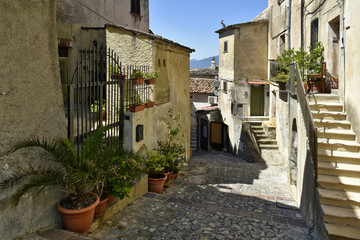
point(302, 24)
point(289, 25)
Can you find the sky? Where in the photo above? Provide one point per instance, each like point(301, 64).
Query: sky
point(193, 23)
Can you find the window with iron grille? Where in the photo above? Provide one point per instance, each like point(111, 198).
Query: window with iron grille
point(135, 7)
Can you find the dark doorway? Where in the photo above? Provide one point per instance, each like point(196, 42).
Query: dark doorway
point(204, 132)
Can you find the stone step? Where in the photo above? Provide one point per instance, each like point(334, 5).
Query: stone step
point(342, 230)
point(337, 107)
point(339, 180)
point(332, 124)
point(341, 211)
point(338, 156)
point(261, 136)
point(343, 134)
point(339, 195)
point(339, 166)
point(267, 141)
point(268, 146)
point(323, 98)
point(329, 115)
point(338, 145)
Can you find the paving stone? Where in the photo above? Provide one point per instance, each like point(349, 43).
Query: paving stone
point(217, 196)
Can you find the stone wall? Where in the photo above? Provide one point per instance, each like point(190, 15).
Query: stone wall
point(30, 105)
point(97, 13)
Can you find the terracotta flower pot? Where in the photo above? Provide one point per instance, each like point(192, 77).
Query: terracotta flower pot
point(150, 81)
point(100, 208)
point(149, 104)
point(137, 108)
point(78, 220)
point(156, 184)
point(137, 81)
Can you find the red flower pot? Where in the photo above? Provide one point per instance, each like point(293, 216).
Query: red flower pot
point(137, 81)
point(100, 208)
point(137, 108)
point(150, 81)
point(156, 184)
point(79, 220)
point(149, 104)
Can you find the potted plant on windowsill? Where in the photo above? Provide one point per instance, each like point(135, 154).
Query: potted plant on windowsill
point(137, 77)
point(149, 103)
point(96, 106)
point(151, 77)
point(136, 107)
point(116, 74)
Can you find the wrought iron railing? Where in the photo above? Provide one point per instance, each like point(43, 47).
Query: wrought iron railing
point(99, 93)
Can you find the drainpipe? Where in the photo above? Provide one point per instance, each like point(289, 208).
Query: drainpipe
point(289, 25)
point(302, 24)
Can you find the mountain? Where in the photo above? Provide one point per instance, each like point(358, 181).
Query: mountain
point(203, 63)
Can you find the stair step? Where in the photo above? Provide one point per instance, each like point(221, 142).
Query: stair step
point(323, 97)
point(338, 156)
point(261, 136)
point(329, 179)
point(339, 166)
point(329, 115)
point(332, 124)
point(341, 211)
point(343, 230)
point(338, 107)
point(268, 146)
point(339, 145)
point(343, 134)
point(267, 141)
point(339, 195)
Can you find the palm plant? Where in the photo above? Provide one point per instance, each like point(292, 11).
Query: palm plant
point(75, 174)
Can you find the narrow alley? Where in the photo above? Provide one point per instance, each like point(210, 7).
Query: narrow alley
point(217, 196)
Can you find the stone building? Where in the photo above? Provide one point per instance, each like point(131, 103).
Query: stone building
point(329, 197)
point(46, 55)
point(244, 91)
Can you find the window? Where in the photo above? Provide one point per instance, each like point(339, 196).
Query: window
point(225, 46)
point(225, 86)
point(280, 1)
point(135, 7)
point(314, 32)
point(282, 44)
point(139, 132)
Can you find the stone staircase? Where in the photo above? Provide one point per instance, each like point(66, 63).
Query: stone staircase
point(193, 139)
point(338, 167)
point(264, 134)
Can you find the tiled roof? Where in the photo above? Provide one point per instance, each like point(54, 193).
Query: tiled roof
point(201, 85)
point(204, 71)
point(208, 108)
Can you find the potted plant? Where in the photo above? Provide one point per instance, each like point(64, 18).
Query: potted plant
point(171, 148)
point(137, 77)
point(116, 74)
point(76, 174)
point(149, 103)
point(96, 106)
point(155, 165)
point(122, 173)
point(136, 107)
point(151, 77)
point(116, 170)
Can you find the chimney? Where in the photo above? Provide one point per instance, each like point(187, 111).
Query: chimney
point(213, 64)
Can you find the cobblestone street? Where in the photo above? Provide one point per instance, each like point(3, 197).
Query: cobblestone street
point(217, 196)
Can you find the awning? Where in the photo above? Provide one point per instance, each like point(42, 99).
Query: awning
point(258, 82)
